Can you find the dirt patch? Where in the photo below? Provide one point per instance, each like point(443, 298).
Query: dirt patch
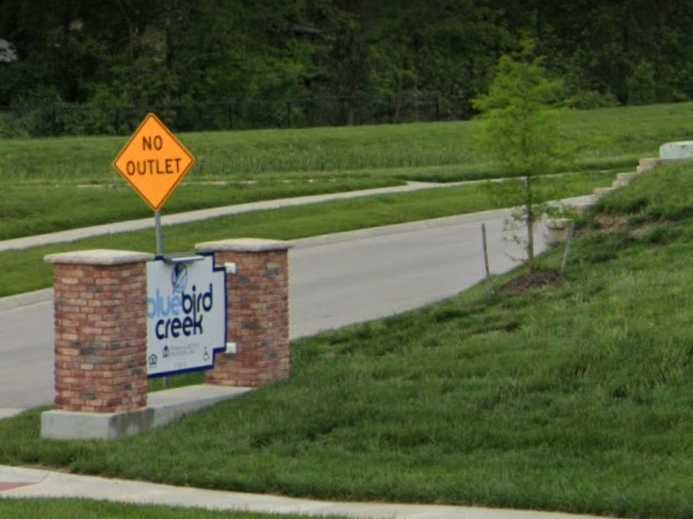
point(536, 279)
point(611, 222)
point(645, 231)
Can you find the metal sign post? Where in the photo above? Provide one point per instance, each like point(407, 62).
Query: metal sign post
point(159, 252)
point(154, 162)
point(158, 235)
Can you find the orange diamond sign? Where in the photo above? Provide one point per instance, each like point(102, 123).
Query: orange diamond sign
point(154, 162)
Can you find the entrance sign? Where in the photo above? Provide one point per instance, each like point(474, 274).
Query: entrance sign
point(154, 162)
point(186, 315)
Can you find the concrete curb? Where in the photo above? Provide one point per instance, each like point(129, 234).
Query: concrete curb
point(25, 299)
point(49, 484)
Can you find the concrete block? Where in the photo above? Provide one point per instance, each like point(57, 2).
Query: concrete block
point(624, 179)
point(9, 412)
point(647, 164)
point(164, 408)
point(243, 245)
point(676, 150)
point(584, 206)
point(79, 425)
point(599, 192)
point(99, 257)
point(556, 230)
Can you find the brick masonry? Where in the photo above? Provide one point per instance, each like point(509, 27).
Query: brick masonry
point(258, 312)
point(100, 333)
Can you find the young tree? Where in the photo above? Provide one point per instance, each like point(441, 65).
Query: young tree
point(520, 113)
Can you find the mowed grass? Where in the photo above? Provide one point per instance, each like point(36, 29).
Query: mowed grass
point(573, 397)
point(73, 508)
point(24, 207)
point(45, 183)
point(25, 270)
point(596, 134)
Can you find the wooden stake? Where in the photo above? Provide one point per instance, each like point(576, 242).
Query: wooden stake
point(485, 247)
point(566, 250)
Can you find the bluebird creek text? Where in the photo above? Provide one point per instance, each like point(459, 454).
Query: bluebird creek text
point(180, 314)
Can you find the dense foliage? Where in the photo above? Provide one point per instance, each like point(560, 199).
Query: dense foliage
point(240, 63)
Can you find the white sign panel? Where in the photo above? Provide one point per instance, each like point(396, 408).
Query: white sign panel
point(186, 315)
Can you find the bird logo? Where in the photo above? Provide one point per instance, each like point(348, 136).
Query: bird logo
point(179, 278)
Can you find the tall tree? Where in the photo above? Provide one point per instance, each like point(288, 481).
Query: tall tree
point(520, 125)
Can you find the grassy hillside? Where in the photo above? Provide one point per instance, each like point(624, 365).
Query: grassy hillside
point(610, 132)
point(574, 396)
point(54, 184)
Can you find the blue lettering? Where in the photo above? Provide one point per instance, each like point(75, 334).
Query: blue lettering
point(159, 334)
point(198, 325)
point(188, 303)
point(151, 307)
point(208, 299)
point(175, 305)
point(175, 328)
point(191, 304)
point(187, 324)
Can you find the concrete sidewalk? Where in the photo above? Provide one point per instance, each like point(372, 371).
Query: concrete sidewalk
point(34, 483)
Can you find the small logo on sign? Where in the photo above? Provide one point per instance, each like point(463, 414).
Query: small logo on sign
point(166, 352)
point(153, 360)
point(179, 278)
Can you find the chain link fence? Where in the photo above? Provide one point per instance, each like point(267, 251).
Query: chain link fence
point(54, 119)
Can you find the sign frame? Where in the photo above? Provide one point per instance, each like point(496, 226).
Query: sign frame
point(214, 350)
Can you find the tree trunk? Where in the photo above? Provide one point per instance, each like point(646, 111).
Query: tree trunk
point(529, 207)
point(350, 113)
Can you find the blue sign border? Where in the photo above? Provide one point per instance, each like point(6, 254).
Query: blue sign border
point(215, 351)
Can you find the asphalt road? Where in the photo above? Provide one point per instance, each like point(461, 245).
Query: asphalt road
point(335, 281)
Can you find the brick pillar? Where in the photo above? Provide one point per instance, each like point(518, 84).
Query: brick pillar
point(258, 312)
point(100, 330)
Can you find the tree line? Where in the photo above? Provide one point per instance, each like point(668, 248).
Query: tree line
point(82, 66)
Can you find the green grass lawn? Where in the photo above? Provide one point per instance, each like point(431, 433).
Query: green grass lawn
point(42, 180)
point(25, 270)
point(575, 396)
point(24, 206)
point(72, 509)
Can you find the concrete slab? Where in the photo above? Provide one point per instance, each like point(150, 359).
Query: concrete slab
point(99, 257)
point(172, 404)
point(676, 150)
point(9, 412)
point(243, 245)
point(164, 407)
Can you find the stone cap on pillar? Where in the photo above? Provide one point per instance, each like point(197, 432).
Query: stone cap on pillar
point(244, 245)
point(99, 257)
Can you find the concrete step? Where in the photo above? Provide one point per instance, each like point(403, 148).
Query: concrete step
point(600, 192)
point(623, 179)
point(647, 164)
